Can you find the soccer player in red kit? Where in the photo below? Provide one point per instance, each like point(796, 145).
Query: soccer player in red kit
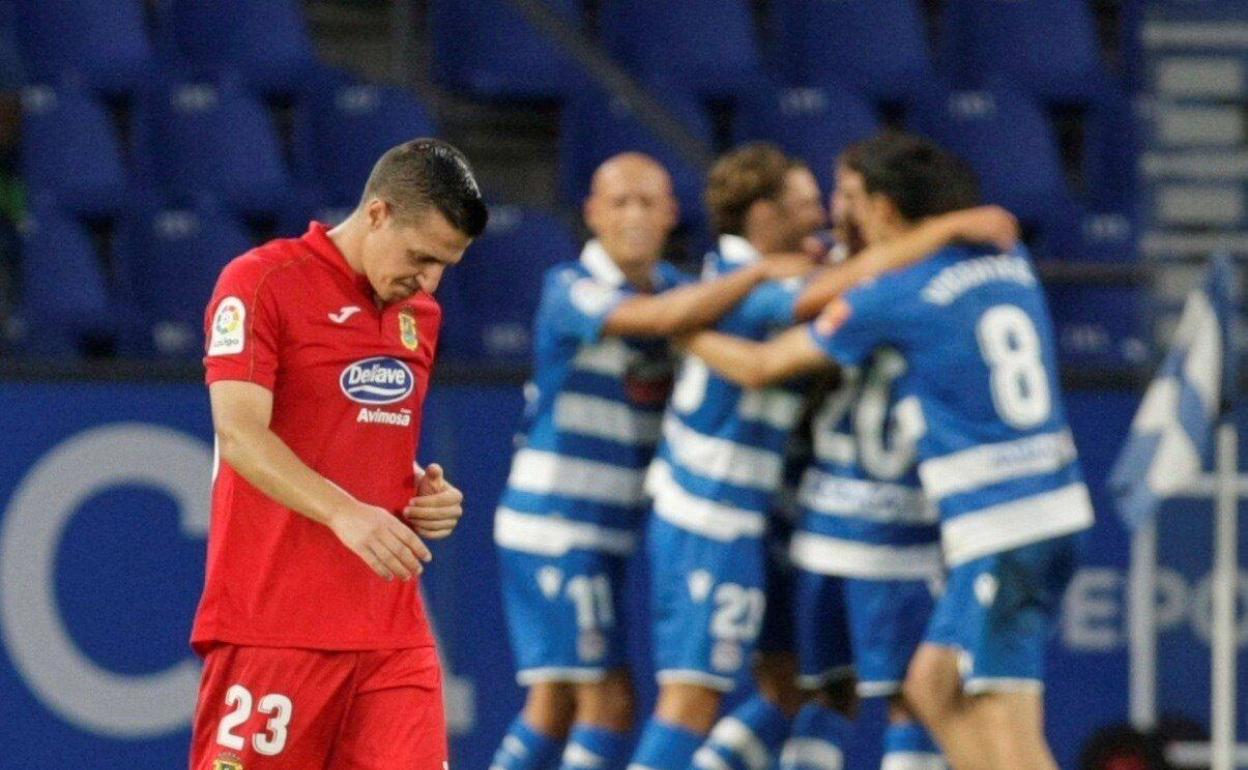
point(317, 652)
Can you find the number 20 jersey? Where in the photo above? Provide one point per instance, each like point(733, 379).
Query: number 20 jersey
point(996, 455)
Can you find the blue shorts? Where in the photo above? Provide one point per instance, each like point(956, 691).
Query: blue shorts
point(999, 611)
point(824, 654)
point(880, 625)
point(562, 614)
point(778, 634)
point(707, 601)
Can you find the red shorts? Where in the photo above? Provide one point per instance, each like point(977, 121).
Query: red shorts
point(287, 709)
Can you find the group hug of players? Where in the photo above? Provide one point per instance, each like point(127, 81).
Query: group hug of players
point(861, 485)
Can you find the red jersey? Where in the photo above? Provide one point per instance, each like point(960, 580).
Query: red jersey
point(348, 382)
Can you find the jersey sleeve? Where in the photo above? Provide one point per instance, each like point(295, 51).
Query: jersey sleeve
point(578, 306)
point(772, 304)
point(673, 277)
point(242, 326)
point(876, 310)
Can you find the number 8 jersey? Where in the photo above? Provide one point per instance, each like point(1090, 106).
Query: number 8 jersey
point(995, 454)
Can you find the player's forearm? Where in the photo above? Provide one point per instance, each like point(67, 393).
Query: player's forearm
point(735, 359)
point(685, 309)
point(265, 461)
point(697, 306)
point(897, 253)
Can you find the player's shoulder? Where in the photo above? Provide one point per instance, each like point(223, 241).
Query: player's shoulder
point(265, 262)
point(561, 275)
point(895, 283)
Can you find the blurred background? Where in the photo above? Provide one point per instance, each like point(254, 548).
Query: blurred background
point(145, 144)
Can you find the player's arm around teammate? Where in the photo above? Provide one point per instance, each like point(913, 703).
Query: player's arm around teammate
point(601, 377)
point(788, 355)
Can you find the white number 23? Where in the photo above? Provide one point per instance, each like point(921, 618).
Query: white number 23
point(274, 705)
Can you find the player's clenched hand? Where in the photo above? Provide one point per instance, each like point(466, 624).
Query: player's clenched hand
point(389, 547)
point(986, 224)
point(437, 507)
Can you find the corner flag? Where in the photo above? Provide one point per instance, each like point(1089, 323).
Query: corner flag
point(1173, 430)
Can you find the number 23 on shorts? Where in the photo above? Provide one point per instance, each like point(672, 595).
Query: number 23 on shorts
point(269, 741)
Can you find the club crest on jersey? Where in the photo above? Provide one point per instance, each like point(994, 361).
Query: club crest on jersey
point(228, 762)
point(409, 333)
point(379, 380)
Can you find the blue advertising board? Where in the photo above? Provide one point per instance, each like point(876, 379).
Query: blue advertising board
point(104, 493)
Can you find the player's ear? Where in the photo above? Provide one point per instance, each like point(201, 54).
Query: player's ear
point(883, 208)
point(589, 212)
point(378, 213)
point(761, 212)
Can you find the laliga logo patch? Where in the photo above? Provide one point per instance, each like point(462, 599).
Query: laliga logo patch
point(409, 333)
point(380, 380)
point(591, 297)
point(227, 327)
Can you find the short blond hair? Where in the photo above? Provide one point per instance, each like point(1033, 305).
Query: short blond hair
point(750, 173)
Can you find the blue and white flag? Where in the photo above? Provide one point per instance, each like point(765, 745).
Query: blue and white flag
point(1173, 430)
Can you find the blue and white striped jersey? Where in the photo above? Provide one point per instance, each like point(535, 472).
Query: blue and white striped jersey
point(722, 455)
point(593, 417)
point(996, 455)
point(863, 513)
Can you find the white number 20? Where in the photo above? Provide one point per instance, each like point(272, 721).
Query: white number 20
point(274, 705)
point(1020, 384)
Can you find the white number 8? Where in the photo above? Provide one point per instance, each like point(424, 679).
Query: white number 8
point(1011, 347)
point(274, 705)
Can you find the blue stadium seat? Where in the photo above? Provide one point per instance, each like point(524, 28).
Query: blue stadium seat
point(705, 47)
point(1047, 48)
point(342, 131)
point(1009, 141)
point(70, 150)
point(169, 258)
point(815, 124)
point(487, 49)
point(12, 60)
point(264, 42)
point(488, 300)
point(102, 42)
point(203, 138)
point(876, 46)
point(1111, 155)
point(594, 127)
point(64, 297)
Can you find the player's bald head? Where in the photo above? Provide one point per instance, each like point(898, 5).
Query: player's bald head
point(631, 209)
point(627, 170)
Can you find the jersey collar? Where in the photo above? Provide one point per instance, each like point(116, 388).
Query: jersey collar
point(317, 238)
point(600, 265)
point(738, 251)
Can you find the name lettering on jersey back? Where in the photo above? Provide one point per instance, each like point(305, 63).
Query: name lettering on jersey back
point(957, 279)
